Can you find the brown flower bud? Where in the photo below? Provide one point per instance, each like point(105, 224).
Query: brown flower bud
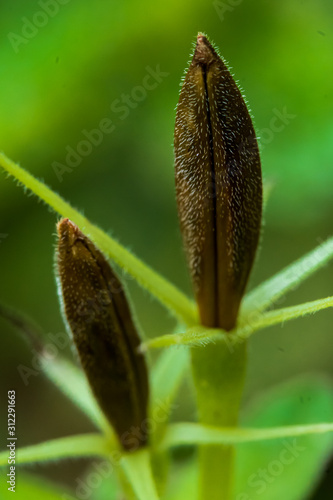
point(105, 336)
point(218, 185)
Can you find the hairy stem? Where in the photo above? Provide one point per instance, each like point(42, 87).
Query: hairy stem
point(169, 295)
point(219, 378)
point(137, 469)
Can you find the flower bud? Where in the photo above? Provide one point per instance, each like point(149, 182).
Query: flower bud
point(218, 185)
point(104, 333)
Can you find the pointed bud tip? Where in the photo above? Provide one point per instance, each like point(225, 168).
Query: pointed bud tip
point(218, 185)
point(201, 38)
point(104, 333)
point(66, 226)
point(68, 231)
point(204, 52)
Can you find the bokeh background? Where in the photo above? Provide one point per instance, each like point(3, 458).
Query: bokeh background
point(63, 72)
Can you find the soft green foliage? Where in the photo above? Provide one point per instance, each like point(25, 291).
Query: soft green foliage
point(138, 472)
point(187, 434)
point(274, 420)
point(64, 80)
point(202, 336)
point(167, 374)
point(266, 294)
point(33, 488)
point(185, 482)
point(305, 399)
point(107, 489)
point(291, 475)
point(71, 381)
point(85, 445)
point(164, 291)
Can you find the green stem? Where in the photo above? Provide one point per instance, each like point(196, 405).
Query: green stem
point(81, 445)
point(169, 295)
point(219, 379)
point(189, 433)
point(137, 468)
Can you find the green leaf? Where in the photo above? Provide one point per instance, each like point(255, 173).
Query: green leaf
point(268, 187)
point(167, 374)
point(196, 434)
point(83, 445)
point(64, 374)
point(287, 468)
point(266, 294)
point(109, 486)
point(71, 381)
point(183, 481)
point(31, 487)
point(137, 469)
point(200, 336)
point(281, 315)
point(176, 301)
point(196, 336)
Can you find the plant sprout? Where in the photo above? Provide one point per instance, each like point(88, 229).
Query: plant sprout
point(219, 195)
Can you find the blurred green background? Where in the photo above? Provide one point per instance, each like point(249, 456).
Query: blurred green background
point(69, 65)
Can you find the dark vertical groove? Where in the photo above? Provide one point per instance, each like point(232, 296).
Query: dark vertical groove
point(214, 137)
point(214, 193)
point(129, 351)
